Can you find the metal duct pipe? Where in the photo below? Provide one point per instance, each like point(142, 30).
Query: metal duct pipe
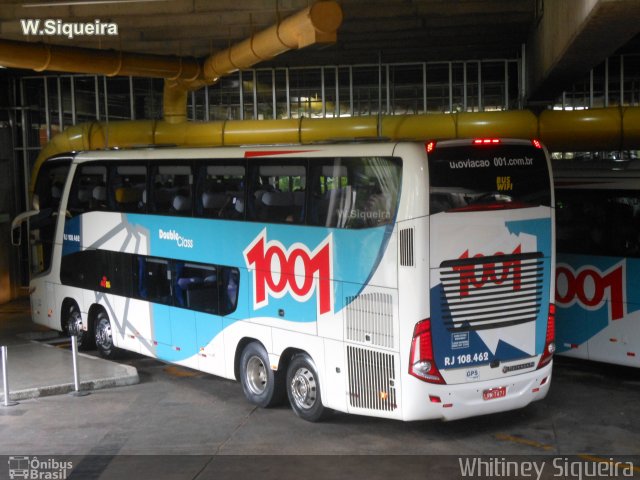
point(41, 57)
point(315, 24)
point(580, 130)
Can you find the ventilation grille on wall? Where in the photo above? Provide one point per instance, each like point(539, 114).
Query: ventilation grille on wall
point(371, 379)
point(406, 247)
point(370, 319)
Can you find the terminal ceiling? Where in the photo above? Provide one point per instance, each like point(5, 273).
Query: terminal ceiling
point(372, 30)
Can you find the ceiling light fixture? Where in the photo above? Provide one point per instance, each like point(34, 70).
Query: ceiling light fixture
point(85, 2)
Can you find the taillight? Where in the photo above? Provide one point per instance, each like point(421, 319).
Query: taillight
point(536, 143)
point(549, 343)
point(422, 365)
point(486, 141)
point(430, 146)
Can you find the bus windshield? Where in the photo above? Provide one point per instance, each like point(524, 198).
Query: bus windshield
point(465, 178)
point(48, 190)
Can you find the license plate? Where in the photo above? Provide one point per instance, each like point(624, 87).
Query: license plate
point(494, 393)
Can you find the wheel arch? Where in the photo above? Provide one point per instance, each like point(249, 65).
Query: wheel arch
point(94, 310)
point(283, 362)
point(240, 346)
point(67, 303)
point(288, 354)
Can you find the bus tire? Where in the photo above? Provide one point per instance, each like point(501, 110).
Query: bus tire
point(303, 389)
point(103, 337)
point(73, 325)
point(261, 385)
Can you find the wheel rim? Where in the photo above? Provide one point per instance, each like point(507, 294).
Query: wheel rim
point(256, 375)
point(74, 324)
point(103, 334)
point(304, 388)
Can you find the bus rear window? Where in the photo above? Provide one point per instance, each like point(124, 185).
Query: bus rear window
point(466, 178)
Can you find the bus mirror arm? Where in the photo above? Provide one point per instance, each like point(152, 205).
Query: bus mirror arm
point(67, 214)
point(16, 226)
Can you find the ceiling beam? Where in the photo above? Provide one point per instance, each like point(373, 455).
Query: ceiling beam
point(571, 38)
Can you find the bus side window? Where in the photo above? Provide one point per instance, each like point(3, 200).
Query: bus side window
point(88, 191)
point(172, 190)
point(598, 222)
point(127, 187)
point(228, 289)
point(220, 192)
point(153, 283)
point(196, 287)
point(624, 224)
point(278, 192)
point(354, 192)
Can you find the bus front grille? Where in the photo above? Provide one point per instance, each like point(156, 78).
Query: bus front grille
point(482, 293)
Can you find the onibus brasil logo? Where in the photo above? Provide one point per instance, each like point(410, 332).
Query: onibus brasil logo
point(297, 271)
point(38, 469)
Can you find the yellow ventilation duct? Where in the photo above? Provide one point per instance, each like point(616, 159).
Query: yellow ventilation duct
point(315, 24)
point(583, 130)
point(41, 57)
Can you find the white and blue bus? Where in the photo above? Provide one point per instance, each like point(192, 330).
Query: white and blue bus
point(598, 270)
point(399, 280)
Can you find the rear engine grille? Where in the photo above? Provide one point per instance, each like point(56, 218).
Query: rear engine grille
point(370, 319)
point(491, 292)
point(371, 379)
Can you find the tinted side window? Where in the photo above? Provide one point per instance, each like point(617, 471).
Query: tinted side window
point(354, 192)
point(196, 287)
point(49, 186)
point(171, 189)
point(89, 189)
point(277, 192)
point(50, 183)
point(128, 188)
point(98, 270)
point(598, 222)
point(153, 280)
point(220, 192)
point(193, 286)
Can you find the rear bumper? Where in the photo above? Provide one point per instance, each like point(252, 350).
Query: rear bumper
point(424, 401)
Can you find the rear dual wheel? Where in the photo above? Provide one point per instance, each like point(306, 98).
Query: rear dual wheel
point(73, 326)
point(103, 337)
point(303, 389)
point(265, 387)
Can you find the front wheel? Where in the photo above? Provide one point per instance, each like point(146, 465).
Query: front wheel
point(261, 385)
point(103, 337)
point(303, 389)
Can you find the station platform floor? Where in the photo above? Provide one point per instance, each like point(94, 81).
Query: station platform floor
point(40, 362)
point(178, 423)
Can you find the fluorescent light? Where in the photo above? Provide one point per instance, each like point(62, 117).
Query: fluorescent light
point(86, 2)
